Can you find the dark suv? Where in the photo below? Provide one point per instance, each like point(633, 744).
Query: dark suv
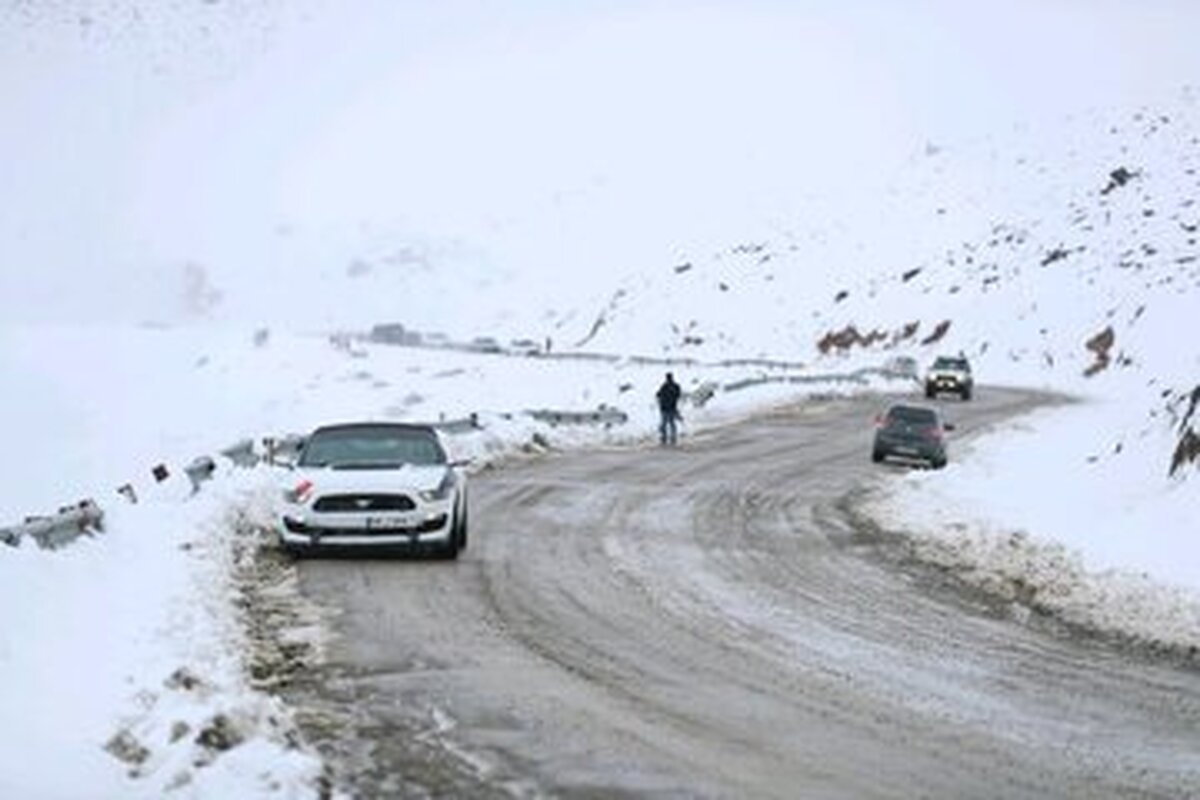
point(950, 374)
point(912, 432)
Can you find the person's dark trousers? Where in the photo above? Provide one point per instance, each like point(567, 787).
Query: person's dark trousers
point(667, 433)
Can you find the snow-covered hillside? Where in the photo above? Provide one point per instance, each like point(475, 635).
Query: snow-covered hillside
point(1062, 232)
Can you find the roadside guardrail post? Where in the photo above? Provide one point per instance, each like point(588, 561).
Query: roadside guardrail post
point(200, 470)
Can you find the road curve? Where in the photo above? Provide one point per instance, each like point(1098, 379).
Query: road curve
point(707, 621)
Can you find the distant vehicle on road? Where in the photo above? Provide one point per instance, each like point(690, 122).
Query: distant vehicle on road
point(525, 347)
point(950, 374)
point(903, 367)
point(911, 432)
point(374, 485)
point(395, 333)
point(485, 344)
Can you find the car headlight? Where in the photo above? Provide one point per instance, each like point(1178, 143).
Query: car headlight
point(300, 493)
point(442, 491)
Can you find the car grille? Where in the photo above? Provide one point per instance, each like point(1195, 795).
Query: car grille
point(362, 503)
point(428, 526)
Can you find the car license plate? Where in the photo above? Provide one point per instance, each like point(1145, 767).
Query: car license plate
point(377, 523)
point(906, 451)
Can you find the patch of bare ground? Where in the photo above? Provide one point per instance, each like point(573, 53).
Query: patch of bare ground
point(284, 635)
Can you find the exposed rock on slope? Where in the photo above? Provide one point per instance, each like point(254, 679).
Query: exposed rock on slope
point(1187, 450)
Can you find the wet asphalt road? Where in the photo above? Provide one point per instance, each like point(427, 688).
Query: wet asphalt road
point(712, 621)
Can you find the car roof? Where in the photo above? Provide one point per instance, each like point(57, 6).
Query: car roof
point(912, 407)
point(404, 426)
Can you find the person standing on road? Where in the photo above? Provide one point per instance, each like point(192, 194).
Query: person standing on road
point(668, 407)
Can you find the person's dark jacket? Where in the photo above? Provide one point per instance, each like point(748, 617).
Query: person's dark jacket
point(668, 398)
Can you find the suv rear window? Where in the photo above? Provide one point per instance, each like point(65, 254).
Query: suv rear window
point(912, 415)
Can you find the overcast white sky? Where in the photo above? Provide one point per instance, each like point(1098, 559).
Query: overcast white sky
point(273, 141)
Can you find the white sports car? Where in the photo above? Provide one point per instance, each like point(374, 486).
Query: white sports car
point(375, 485)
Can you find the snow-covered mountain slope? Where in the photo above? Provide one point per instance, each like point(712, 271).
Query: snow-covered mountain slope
point(1061, 239)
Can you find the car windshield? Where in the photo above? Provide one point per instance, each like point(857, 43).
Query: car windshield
point(951, 363)
point(912, 415)
point(382, 446)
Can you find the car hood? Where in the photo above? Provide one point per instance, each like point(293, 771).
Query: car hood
point(408, 477)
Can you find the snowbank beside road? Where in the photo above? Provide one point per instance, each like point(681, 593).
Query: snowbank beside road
point(1034, 512)
point(122, 664)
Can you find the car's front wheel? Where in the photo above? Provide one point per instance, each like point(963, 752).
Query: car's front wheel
point(458, 537)
point(877, 456)
point(448, 551)
point(460, 532)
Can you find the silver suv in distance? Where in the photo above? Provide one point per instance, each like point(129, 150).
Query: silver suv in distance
point(950, 374)
point(373, 485)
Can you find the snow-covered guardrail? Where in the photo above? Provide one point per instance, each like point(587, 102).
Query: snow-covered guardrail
point(457, 426)
point(858, 376)
point(383, 335)
point(605, 415)
point(282, 449)
point(241, 453)
point(200, 470)
point(58, 529)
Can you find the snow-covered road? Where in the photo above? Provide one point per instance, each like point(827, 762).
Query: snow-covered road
point(717, 621)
